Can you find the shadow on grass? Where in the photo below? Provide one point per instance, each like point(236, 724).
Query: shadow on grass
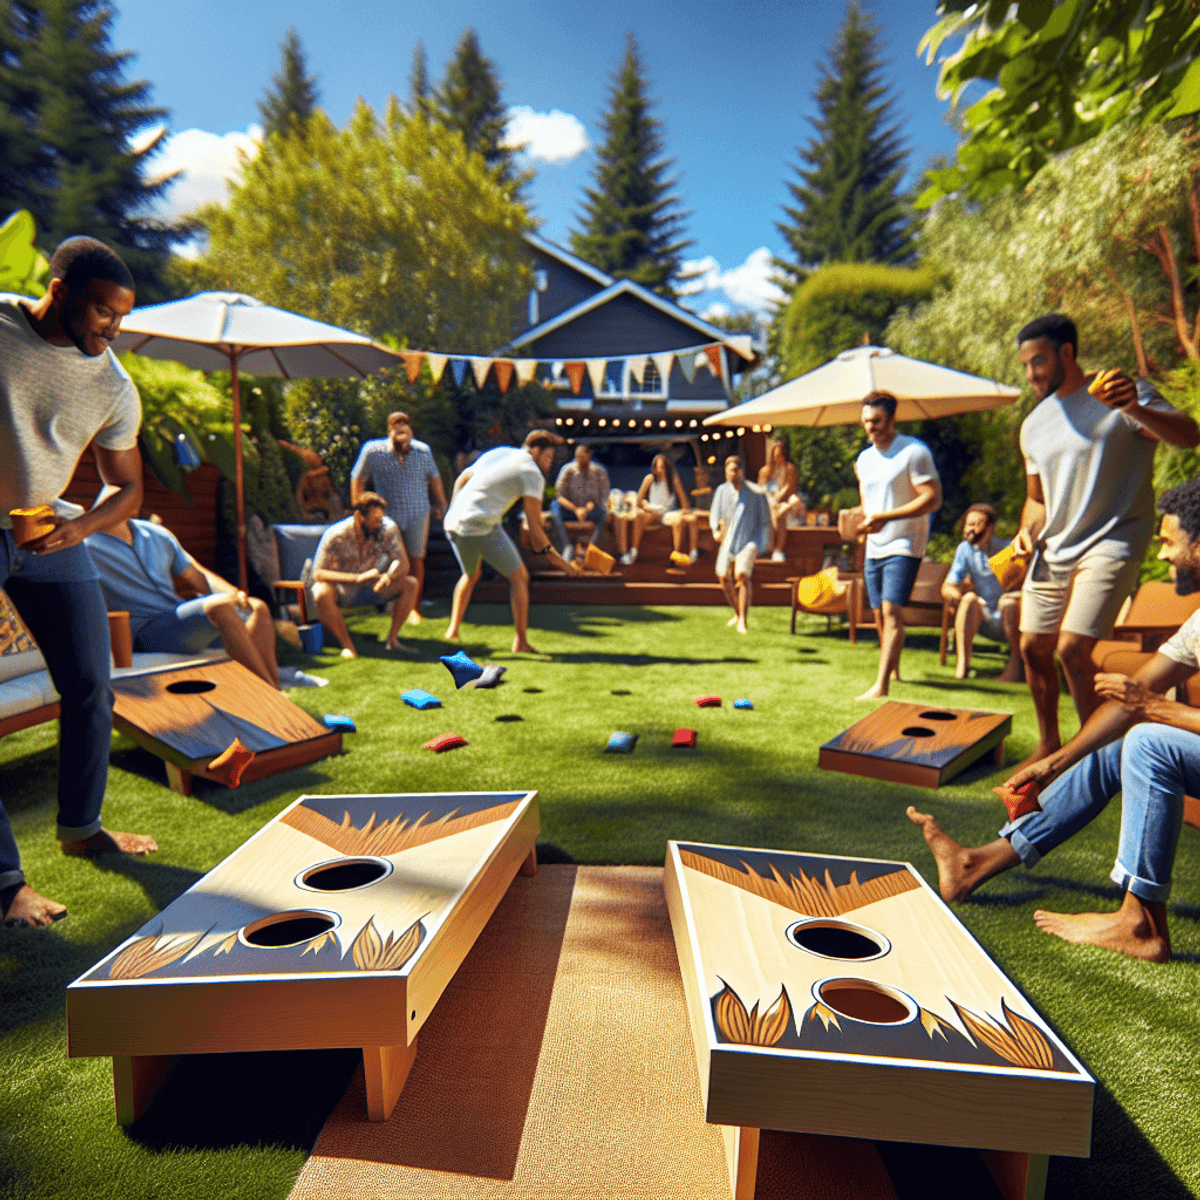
point(162, 882)
point(39, 965)
point(963, 685)
point(646, 660)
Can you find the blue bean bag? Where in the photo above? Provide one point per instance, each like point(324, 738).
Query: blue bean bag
point(419, 698)
point(742, 704)
point(340, 723)
point(621, 743)
point(462, 667)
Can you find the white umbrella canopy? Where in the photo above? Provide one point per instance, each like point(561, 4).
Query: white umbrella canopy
point(228, 331)
point(833, 394)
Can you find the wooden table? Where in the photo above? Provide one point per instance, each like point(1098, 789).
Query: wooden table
point(187, 714)
point(338, 924)
point(919, 744)
point(840, 996)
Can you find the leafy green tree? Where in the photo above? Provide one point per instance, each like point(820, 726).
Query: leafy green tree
point(632, 225)
point(1062, 72)
point(468, 101)
point(847, 205)
point(418, 80)
point(293, 93)
point(67, 120)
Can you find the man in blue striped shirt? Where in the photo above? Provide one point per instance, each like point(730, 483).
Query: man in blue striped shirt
point(740, 520)
point(401, 469)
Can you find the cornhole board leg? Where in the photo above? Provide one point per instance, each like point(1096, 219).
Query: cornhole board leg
point(529, 866)
point(136, 1079)
point(998, 753)
point(179, 780)
point(741, 1153)
point(385, 1071)
point(1018, 1176)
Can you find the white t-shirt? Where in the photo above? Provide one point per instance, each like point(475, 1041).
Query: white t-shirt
point(53, 401)
point(498, 479)
point(1095, 469)
point(1184, 645)
point(889, 479)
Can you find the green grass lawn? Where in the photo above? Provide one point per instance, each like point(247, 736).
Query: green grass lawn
point(240, 1126)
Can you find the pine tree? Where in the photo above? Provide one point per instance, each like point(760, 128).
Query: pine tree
point(847, 205)
point(469, 101)
point(68, 122)
point(418, 80)
point(294, 94)
point(632, 227)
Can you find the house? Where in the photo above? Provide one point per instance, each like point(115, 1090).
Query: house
point(577, 312)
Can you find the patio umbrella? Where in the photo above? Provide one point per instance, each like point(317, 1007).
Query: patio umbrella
point(227, 331)
point(832, 394)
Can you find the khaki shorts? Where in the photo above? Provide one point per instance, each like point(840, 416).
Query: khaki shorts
point(1083, 599)
point(742, 562)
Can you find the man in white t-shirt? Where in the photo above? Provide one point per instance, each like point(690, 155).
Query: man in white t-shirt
point(899, 487)
point(1089, 511)
point(482, 495)
point(62, 388)
point(1136, 742)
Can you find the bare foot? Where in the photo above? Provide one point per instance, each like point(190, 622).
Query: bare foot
point(731, 622)
point(105, 841)
point(415, 618)
point(28, 908)
point(874, 693)
point(960, 669)
point(522, 646)
point(1138, 930)
point(451, 635)
point(741, 627)
point(349, 652)
point(392, 644)
point(961, 869)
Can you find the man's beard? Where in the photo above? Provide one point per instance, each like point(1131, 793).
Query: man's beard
point(373, 534)
point(1187, 578)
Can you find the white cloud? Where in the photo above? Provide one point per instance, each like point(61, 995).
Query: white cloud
point(205, 160)
point(553, 137)
point(717, 312)
point(747, 286)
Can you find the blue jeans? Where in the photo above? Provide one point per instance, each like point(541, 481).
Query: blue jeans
point(558, 518)
point(1153, 767)
point(58, 596)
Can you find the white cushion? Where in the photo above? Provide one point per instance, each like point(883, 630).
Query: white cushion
point(25, 693)
point(24, 662)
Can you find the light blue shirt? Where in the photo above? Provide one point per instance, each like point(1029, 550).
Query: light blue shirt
point(403, 483)
point(746, 514)
point(973, 561)
point(139, 579)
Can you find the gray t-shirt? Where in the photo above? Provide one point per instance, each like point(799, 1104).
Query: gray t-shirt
point(1095, 467)
point(54, 400)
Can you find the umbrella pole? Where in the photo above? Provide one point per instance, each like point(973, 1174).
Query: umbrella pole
point(239, 480)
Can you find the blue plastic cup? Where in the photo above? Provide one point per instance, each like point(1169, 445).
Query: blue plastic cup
point(312, 637)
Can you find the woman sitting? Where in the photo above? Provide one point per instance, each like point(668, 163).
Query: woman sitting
point(779, 478)
point(661, 500)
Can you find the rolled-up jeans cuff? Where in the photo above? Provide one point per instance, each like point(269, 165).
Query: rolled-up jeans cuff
point(69, 833)
point(11, 878)
point(1026, 851)
point(1143, 889)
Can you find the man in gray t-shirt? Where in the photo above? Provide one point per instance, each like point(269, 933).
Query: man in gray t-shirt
point(1089, 511)
point(61, 388)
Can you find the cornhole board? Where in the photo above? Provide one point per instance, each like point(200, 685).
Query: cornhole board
point(840, 996)
point(338, 924)
point(919, 744)
point(188, 713)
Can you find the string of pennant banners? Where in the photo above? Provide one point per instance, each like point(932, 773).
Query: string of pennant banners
point(712, 357)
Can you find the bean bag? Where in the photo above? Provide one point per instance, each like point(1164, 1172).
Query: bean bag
point(742, 704)
point(228, 766)
point(596, 560)
point(708, 701)
point(447, 741)
point(419, 698)
point(684, 739)
point(340, 723)
point(621, 743)
point(1022, 800)
point(462, 667)
point(491, 676)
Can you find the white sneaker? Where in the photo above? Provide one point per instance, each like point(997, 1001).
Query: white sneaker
point(633, 555)
point(627, 558)
point(291, 677)
point(568, 554)
point(779, 556)
point(695, 554)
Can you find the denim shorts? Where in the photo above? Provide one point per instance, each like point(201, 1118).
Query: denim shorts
point(184, 629)
point(890, 579)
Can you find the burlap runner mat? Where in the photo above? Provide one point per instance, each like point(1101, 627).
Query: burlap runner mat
point(559, 1063)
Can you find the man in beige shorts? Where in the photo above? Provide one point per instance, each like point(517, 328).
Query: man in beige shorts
point(1089, 512)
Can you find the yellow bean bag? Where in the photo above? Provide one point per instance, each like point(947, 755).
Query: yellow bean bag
point(1009, 567)
point(822, 593)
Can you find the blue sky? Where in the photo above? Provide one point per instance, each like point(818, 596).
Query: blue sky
point(734, 83)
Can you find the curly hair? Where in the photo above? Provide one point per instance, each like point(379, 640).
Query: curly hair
point(1183, 503)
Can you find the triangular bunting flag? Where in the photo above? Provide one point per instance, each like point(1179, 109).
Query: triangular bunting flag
point(714, 360)
point(662, 364)
point(458, 367)
point(637, 366)
point(556, 370)
point(526, 369)
point(437, 365)
point(725, 379)
point(480, 368)
point(412, 363)
point(504, 373)
point(687, 364)
point(575, 372)
point(596, 368)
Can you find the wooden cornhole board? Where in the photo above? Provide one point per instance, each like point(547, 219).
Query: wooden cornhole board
point(188, 713)
point(338, 924)
point(919, 1039)
point(919, 744)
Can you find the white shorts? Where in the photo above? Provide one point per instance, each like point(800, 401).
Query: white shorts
point(743, 561)
point(1083, 598)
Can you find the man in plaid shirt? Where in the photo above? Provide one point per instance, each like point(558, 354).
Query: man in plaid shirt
point(581, 495)
point(401, 469)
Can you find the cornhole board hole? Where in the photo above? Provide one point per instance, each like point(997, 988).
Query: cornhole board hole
point(338, 924)
point(919, 744)
point(840, 996)
point(188, 713)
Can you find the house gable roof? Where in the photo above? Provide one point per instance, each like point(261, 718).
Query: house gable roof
point(552, 250)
